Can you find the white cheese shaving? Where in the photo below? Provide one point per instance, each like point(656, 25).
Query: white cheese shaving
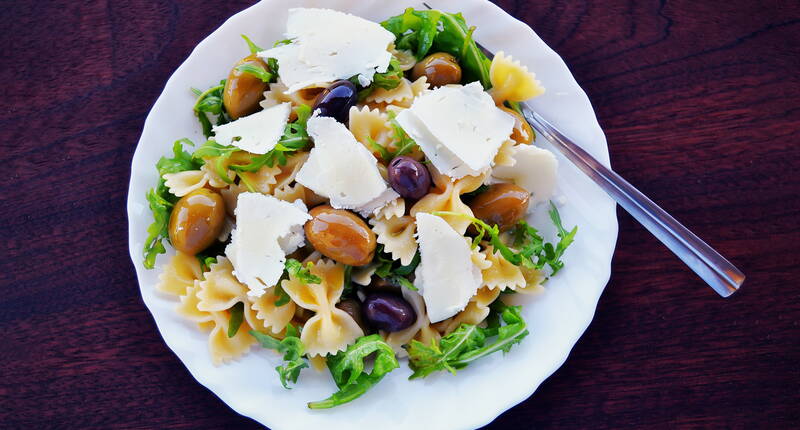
point(446, 276)
point(535, 170)
point(266, 230)
point(327, 45)
point(342, 169)
point(257, 133)
point(459, 128)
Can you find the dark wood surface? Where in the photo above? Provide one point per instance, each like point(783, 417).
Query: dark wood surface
point(700, 101)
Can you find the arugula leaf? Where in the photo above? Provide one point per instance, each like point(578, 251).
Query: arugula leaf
point(303, 274)
point(161, 201)
point(423, 31)
point(474, 193)
point(295, 138)
point(236, 319)
point(210, 102)
point(347, 289)
point(391, 78)
point(402, 141)
point(250, 45)
point(221, 154)
point(389, 269)
point(206, 262)
point(533, 252)
point(256, 71)
point(283, 296)
point(348, 370)
point(292, 349)
point(468, 343)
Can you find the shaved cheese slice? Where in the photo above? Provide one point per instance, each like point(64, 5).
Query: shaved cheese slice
point(257, 133)
point(327, 45)
point(534, 169)
point(446, 276)
point(266, 230)
point(459, 128)
point(342, 169)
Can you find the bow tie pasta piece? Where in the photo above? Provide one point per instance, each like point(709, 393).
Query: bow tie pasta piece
point(476, 311)
point(394, 209)
point(511, 81)
point(401, 94)
point(269, 315)
point(183, 183)
point(220, 346)
point(371, 125)
point(220, 289)
point(223, 348)
point(179, 274)
point(263, 179)
point(397, 237)
point(446, 196)
point(533, 279)
point(278, 93)
point(188, 306)
point(502, 274)
point(331, 329)
point(505, 155)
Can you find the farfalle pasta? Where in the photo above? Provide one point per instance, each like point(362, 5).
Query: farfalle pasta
point(446, 197)
point(330, 329)
point(359, 199)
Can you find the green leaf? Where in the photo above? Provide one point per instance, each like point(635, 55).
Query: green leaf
point(423, 31)
point(389, 79)
point(161, 200)
point(348, 370)
point(210, 102)
point(468, 343)
point(283, 296)
point(236, 319)
point(533, 252)
point(256, 71)
point(303, 274)
point(292, 349)
point(212, 149)
point(390, 270)
point(251, 46)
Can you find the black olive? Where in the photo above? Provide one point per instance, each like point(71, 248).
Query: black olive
point(336, 101)
point(409, 177)
point(353, 308)
point(388, 312)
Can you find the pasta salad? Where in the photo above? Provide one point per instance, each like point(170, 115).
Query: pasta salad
point(360, 198)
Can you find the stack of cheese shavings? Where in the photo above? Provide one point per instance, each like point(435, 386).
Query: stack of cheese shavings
point(326, 45)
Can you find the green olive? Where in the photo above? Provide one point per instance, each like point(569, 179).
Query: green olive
point(502, 204)
point(440, 68)
point(196, 221)
point(242, 90)
point(340, 235)
point(522, 132)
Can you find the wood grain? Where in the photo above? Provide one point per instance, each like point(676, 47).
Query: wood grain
point(699, 100)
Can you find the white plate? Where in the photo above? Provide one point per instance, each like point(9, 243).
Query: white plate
point(477, 394)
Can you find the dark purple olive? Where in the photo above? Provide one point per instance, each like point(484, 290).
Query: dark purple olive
point(353, 308)
point(336, 101)
point(388, 312)
point(409, 177)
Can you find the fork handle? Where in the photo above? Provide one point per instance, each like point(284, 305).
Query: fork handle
point(712, 267)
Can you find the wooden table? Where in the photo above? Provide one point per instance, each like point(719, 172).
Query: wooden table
point(700, 101)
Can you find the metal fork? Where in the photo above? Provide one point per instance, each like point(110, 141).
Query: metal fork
point(712, 267)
